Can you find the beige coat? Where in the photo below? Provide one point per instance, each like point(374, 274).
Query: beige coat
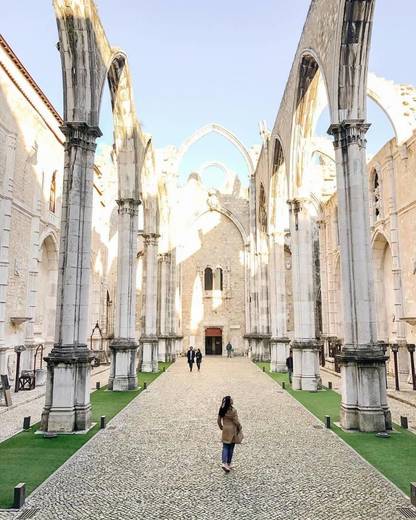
point(230, 426)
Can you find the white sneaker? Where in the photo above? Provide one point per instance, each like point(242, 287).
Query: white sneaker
point(225, 467)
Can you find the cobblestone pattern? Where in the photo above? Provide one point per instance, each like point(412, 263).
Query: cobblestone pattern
point(397, 408)
point(160, 459)
point(30, 403)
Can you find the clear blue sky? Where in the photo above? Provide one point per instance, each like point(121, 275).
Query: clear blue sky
point(199, 61)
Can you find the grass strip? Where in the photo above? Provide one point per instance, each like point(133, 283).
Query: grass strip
point(394, 457)
point(30, 458)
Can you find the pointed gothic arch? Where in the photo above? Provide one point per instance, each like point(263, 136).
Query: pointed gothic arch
point(224, 132)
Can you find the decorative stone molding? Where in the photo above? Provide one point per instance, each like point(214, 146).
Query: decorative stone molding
point(349, 132)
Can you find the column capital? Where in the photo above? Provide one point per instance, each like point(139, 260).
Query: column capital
point(80, 134)
point(165, 257)
point(128, 206)
point(297, 203)
point(150, 239)
point(349, 132)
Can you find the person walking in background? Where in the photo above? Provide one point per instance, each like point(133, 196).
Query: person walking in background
point(232, 432)
point(191, 358)
point(229, 349)
point(289, 364)
point(198, 358)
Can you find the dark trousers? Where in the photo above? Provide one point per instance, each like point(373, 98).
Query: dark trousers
point(290, 372)
point(227, 453)
point(198, 364)
point(191, 364)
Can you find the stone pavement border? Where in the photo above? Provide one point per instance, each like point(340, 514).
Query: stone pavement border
point(286, 470)
point(347, 445)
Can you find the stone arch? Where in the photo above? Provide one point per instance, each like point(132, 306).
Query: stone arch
point(383, 283)
point(47, 287)
point(214, 164)
point(396, 101)
point(227, 213)
point(310, 96)
point(128, 139)
point(278, 190)
point(354, 46)
point(82, 35)
point(219, 129)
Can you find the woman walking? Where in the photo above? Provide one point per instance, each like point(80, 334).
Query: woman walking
point(198, 358)
point(232, 433)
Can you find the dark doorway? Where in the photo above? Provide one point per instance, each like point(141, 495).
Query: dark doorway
point(213, 342)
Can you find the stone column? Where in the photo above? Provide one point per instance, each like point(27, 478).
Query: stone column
point(278, 341)
point(124, 345)
point(164, 305)
point(5, 221)
point(323, 264)
point(364, 401)
point(304, 345)
point(149, 339)
point(67, 400)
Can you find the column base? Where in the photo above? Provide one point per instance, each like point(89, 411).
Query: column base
point(306, 365)
point(67, 400)
point(123, 375)
point(162, 354)
point(278, 354)
point(150, 354)
point(364, 399)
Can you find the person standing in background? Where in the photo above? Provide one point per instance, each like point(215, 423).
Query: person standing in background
point(289, 365)
point(198, 358)
point(191, 358)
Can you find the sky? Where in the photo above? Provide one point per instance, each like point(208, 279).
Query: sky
point(197, 61)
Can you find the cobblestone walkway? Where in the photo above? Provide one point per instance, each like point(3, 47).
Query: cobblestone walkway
point(160, 459)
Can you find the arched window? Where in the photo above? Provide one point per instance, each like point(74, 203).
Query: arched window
point(218, 279)
point(52, 194)
point(208, 279)
point(376, 196)
point(262, 210)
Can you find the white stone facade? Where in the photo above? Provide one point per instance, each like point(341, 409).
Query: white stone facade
point(31, 176)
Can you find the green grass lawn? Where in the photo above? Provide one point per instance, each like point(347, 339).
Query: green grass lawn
point(394, 457)
point(30, 458)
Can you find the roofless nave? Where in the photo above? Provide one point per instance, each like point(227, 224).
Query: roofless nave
point(299, 259)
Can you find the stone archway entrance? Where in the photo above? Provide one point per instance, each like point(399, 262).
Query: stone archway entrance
point(213, 341)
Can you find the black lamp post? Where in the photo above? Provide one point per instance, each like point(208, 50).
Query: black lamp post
point(395, 350)
point(411, 349)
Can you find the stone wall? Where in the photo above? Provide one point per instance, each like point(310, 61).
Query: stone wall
point(392, 197)
point(210, 237)
point(31, 170)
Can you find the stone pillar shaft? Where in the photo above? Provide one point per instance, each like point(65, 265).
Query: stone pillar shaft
point(124, 345)
point(364, 404)
point(149, 337)
point(304, 345)
point(67, 401)
point(277, 287)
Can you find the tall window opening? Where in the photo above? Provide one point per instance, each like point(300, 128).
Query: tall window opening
point(52, 194)
point(208, 279)
point(376, 196)
point(218, 279)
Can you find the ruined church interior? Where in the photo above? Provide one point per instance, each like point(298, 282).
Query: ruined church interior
point(290, 268)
